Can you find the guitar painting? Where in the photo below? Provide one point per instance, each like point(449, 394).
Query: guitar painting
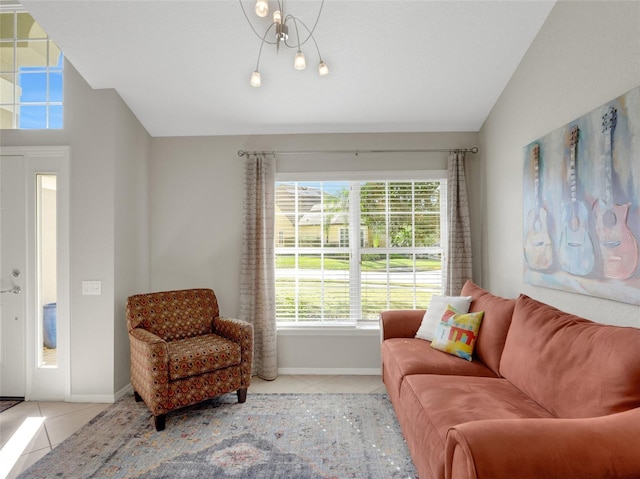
point(618, 246)
point(583, 178)
point(575, 249)
point(538, 250)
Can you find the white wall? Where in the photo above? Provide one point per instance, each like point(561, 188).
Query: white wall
point(94, 127)
point(586, 54)
point(196, 191)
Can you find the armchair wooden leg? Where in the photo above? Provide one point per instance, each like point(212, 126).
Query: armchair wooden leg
point(160, 421)
point(242, 395)
point(137, 396)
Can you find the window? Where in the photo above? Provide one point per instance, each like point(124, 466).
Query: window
point(348, 249)
point(31, 71)
point(46, 267)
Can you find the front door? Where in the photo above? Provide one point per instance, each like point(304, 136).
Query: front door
point(34, 273)
point(12, 269)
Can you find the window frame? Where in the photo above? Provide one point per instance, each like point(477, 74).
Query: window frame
point(388, 176)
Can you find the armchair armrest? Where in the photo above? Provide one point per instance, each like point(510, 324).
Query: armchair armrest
point(598, 447)
point(149, 365)
point(400, 323)
point(240, 332)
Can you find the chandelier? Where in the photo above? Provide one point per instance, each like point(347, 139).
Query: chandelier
point(284, 30)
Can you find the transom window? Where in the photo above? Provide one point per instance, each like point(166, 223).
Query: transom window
point(31, 74)
point(346, 250)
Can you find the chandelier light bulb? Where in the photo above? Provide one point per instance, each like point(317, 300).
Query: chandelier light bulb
point(299, 62)
point(262, 8)
point(256, 81)
point(323, 69)
point(277, 17)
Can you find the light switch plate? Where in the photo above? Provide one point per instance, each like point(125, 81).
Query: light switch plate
point(92, 288)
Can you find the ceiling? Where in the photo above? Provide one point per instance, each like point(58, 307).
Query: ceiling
point(183, 66)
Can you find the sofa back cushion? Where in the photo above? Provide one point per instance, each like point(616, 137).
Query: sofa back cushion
point(571, 366)
point(495, 323)
point(173, 315)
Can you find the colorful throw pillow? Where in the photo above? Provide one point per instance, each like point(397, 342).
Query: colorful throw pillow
point(457, 332)
point(436, 309)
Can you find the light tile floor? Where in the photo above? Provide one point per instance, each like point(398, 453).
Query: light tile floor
point(63, 419)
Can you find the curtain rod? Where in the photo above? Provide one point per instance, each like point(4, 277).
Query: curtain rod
point(355, 152)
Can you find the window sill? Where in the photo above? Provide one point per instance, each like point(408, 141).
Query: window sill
point(358, 330)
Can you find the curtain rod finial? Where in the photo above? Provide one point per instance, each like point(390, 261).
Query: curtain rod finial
point(241, 153)
point(474, 149)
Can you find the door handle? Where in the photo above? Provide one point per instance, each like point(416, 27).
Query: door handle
point(14, 290)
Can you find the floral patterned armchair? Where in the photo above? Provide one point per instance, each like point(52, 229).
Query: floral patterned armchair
point(183, 352)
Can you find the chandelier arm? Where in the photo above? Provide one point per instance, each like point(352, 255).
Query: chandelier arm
point(262, 44)
point(316, 23)
point(297, 20)
point(284, 22)
point(247, 18)
point(295, 23)
point(309, 37)
point(317, 49)
point(261, 37)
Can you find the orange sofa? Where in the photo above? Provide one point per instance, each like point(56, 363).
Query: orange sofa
point(547, 395)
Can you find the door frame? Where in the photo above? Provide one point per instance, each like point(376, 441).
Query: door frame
point(39, 381)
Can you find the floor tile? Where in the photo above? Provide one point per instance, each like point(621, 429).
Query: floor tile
point(54, 409)
point(351, 384)
point(27, 460)
point(62, 426)
point(282, 384)
point(12, 419)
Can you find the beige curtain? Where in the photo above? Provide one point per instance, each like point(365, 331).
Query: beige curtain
point(257, 275)
point(457, 263)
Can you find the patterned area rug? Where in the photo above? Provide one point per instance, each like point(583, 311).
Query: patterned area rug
point(6, 404)
point(269, 436)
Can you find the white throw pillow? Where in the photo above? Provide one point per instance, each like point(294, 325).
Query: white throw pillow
point(436, 309)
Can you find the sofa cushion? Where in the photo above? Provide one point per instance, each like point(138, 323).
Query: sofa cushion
point(437, 306)
point(457, 333)
point(406, 356)
point(495, 323)
point(431, 404)
point(201, 354)
point(571, 366)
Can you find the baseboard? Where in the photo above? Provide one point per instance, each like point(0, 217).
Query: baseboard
point(101, 398)
point(331, 371)
point(128, 389)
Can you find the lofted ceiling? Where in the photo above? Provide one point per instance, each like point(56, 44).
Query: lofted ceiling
point(183, 66)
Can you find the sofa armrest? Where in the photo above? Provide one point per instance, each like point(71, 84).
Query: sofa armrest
point(400, 323)
point(149, 365)
point(598, 447)
point(240, 332)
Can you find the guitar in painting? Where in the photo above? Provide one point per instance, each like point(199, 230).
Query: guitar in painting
point(575, 249)
point(538, 251)
point(618, 246)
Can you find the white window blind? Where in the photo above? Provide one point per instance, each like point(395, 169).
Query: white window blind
point(345, 250)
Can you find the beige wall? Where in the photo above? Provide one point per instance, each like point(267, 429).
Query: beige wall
point(196, 190)
point(586, 54)
point(132, 150)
